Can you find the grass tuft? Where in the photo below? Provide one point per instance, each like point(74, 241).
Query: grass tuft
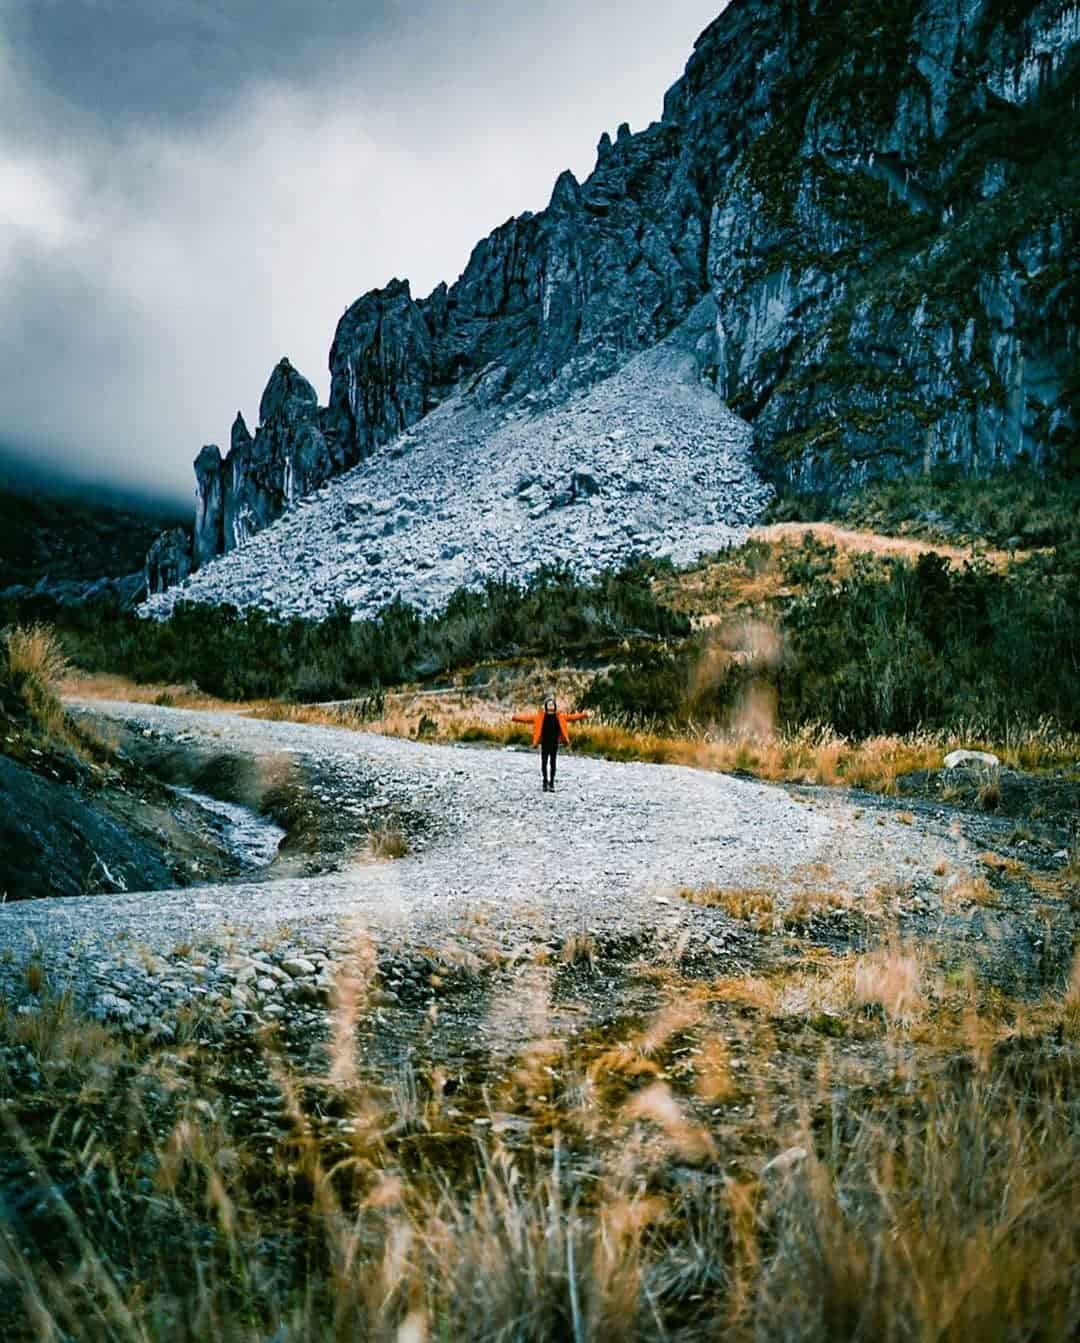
point(388, 840)
point(34, 667)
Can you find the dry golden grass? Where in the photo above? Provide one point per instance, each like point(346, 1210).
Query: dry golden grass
point(807, 905)
point(388, 840)
point(995, 862)
point(1070, 1005)
point(1037, 746)
point(752, 905)
point(578, 949)
point(35, 976)
point(34, 653)
point(989, 795)
point(971, 889)
point(812, 754)
point(892, 980)
point(851, 541)
point(57, 1034)
point(920, 1203)
point(749, 991)
point(78, 684)
point(759, 907)
point(754, 579)
point(35, 667)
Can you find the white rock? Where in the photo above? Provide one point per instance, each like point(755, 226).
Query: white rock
point(696, 492)
point(297, 966)
point(956, 758)
point(111, 1005)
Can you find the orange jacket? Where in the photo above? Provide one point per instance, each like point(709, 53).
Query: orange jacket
point(537, 721)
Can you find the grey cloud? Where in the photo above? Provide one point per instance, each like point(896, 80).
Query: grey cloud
point(169, 63)
point(189, 190)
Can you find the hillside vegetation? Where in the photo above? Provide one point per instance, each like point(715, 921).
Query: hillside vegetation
point(855, 1116)
point(783, 632)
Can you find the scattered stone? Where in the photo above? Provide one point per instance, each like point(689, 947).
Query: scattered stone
point(297, 966)
point(111, 1007)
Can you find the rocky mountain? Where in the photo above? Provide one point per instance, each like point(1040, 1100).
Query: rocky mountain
point(874, 203)
point(646, 460)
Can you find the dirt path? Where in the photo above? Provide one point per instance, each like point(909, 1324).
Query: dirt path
point(906, 547)
point(603, 857)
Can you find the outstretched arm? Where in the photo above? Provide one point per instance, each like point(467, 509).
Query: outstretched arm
point(522, 718)
point(577, 717)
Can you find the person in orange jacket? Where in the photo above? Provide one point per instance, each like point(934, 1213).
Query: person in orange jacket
point(549, 732)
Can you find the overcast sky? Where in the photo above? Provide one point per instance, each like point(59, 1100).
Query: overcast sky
point(190, 189)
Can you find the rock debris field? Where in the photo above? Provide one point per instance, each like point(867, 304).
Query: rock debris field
point(648, 461)
point(494, 862)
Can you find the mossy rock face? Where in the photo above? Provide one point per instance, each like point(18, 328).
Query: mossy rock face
point(896, 257)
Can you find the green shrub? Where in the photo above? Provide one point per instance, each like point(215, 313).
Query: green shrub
point(1019, 505)
point(898, 646)
point(891, 648)
point(251, 655)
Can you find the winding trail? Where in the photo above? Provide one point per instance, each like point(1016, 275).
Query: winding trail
point(604, 855)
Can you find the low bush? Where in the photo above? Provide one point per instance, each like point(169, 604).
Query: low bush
point(895, 647)
point(1020, 506)
point(891, 647)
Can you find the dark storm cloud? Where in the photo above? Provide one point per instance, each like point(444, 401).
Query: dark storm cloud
point(173, 63)
point(191, 188)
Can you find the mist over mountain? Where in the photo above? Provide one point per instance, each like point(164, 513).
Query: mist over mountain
point(190, 190)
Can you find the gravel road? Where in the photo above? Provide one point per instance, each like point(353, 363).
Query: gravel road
point(604, 855)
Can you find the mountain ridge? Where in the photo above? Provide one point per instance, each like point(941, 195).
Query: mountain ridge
point(887, 233)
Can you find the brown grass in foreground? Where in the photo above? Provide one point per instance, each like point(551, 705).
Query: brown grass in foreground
point(708, 1172)
point(388, 840)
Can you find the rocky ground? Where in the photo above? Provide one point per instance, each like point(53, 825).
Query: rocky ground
point(710, 956)
point(647, 461)
point(498, 872)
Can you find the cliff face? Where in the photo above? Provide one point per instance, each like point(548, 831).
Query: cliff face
point(895, 257)
point(881, 196)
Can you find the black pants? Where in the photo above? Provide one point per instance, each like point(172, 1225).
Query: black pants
point(549, 756)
